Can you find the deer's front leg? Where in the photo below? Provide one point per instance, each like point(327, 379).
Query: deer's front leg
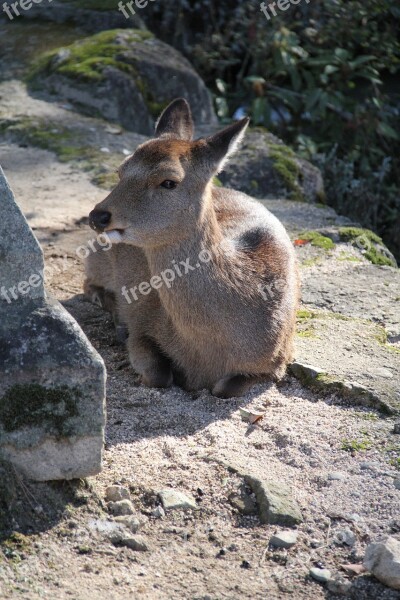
point(146, 359)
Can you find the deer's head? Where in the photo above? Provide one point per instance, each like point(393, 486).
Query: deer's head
point(162, 191)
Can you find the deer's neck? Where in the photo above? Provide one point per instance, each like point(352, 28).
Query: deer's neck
point(190, 262)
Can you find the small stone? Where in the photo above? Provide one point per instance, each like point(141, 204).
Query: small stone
point(345, 536)
point(130, 521)
point(321, 575)
point(137, 543)
point(366, 465)
point(382, 559)
point(284, 539)
point(158, 512)
point(314, 543)
point(336, 476)
point(396, 427)
point(121, 508)
point(172, 499)
point(396, 484)
point(245, 564)
point(243, 502)
point(109, 529)
point(114, 493)
point(277, 505)
point(302, 370)
point(339, 586)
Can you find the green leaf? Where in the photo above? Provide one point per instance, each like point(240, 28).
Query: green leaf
point(387, 131)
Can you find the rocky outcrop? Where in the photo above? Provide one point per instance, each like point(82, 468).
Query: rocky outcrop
point(266, 168)
point(127, 77)
point(52, 381)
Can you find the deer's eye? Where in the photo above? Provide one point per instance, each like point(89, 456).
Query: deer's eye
point(168, 184)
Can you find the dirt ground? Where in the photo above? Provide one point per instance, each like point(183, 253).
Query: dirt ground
point(195, 444)
point(339, 458)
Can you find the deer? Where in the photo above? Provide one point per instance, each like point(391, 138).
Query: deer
point(203, 278)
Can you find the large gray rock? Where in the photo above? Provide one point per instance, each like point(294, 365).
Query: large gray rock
point(382, 559)
point(126, 76)
point(52, 381)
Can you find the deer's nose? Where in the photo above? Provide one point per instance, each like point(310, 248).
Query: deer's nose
point(99, 219)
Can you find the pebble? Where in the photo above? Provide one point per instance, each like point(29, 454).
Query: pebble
point(137, 543)
point(396, 483)
point(345, 536)
point(369, 465)
point(314, 543)
point(284, 539)
point(121, 508)
point(109, 529)
point(129, 521)
point(336, 476)
point(158, 512)
point(114, 493)
point(172, 499)
point(243, 503)
point(339, 586)
point(396, 427)
point(321, 575)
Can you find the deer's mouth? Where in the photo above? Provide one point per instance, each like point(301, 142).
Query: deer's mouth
point(114, 235)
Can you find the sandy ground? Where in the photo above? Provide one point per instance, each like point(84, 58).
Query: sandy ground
point(338, 458)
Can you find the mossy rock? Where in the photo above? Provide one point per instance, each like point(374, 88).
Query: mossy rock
point(370, 244)
point(265, 167)
point(124, 76)
point(317, 239)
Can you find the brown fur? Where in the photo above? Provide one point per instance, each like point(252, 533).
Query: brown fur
point(231, 319)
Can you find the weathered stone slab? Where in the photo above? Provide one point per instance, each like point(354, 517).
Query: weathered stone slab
point(52, 380)
point(350, 356)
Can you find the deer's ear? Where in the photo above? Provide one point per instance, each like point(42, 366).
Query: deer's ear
point(176, 121)
point(220, 146)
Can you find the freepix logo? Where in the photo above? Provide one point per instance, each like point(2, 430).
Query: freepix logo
point(17, 6)
point(270, 10)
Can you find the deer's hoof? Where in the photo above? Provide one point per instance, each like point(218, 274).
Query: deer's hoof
point(232, 386)
point(163, 379)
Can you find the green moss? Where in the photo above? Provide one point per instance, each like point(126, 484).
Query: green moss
point(366, 416)
point(254, 185)
point(67, 144)
point(217, 182)
point(345, 256)
point(310, 262)
point(64, 142)
point(285, 164)
point(372, 245)
point(16, 546)
point(27, 405)
point(317, 239)
point(303, 313)
point(355, 445)
point(87, 59)
point(307, 333)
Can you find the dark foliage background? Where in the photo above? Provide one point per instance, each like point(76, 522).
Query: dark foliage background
point(324, 76)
